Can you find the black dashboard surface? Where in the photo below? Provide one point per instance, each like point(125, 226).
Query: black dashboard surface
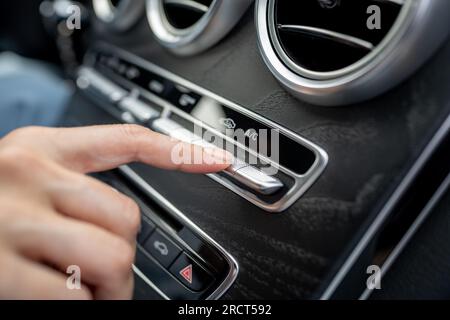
point(411, 279)
point(293, 254)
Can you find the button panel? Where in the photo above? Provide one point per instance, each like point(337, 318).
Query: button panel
point(287, 165)
point(247, 175)
point(165, 244)
point(92, 81)
point(140, 110)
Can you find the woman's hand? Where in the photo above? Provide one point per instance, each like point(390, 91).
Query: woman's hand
point(53, 216)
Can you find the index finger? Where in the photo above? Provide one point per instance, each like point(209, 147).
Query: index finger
point(100, 148)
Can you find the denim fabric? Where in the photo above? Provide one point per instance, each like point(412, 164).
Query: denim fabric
point(30, 94)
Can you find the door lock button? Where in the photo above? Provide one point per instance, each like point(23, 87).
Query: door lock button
point(162, 248)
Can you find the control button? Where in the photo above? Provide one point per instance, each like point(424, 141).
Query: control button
point(88, 79)
point(141, 111)
point(127, 117)
point(156, 87)
point(191, 274)
point(165, 126)
point(256, 180)
point(186, 100)
point(162, 248)
point(174, 130)
point(122, 68)
point(145, 231)
point(132, 73)
point(236, 166)
point(239, 170)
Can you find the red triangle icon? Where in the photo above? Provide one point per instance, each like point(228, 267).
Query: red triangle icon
point(186, 273)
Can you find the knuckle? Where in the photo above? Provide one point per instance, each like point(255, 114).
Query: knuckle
point(133, 134)
point(26, 133)
point(133, 130)
point(79, 183)
point(133, 214)
point(17, 157)
point(123, 259)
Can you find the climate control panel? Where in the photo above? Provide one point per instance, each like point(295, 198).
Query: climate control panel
point(273, 166)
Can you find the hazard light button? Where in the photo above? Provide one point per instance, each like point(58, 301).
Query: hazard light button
point(191, 274)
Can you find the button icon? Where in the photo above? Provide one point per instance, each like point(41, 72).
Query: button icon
point(227, 123)
point(156, 86)
point(132, 73)
point(252, 134)
point(190, 273)
point(186, 100)
point(329, 4)
point(161, 247)
point(186, 273)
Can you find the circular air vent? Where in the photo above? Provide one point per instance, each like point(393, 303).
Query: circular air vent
point(189, 26)
point(334, 52)
point(119, 15)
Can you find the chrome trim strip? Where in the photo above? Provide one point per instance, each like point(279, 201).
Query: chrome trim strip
point(246, 174)
point(411, 232)
point(421, 28)
point(329, 34)
point(156, 196)
point(254, 179)
point(149, 282)
point(398, 2)
point(386, 210)
point(191, 4)
point(302, 182)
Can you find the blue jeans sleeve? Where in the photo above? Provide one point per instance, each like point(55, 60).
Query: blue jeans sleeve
point(30, 94)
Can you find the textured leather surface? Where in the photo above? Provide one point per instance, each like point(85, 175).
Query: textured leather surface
point(422, 271)
point(370, 145)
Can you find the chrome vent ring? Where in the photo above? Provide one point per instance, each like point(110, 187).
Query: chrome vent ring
point(119, 15)
point(187, 27)
point(324, 52)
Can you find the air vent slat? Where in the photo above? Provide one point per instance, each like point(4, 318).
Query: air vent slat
point(183, 14)
point(335, 52)
point(328, 34)
point(348, 17)
point(188, 4)
point(397, 2)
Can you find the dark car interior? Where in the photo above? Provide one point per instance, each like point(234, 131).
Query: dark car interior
point(355, 96)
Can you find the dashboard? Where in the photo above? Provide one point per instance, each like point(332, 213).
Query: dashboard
point(337, 113)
